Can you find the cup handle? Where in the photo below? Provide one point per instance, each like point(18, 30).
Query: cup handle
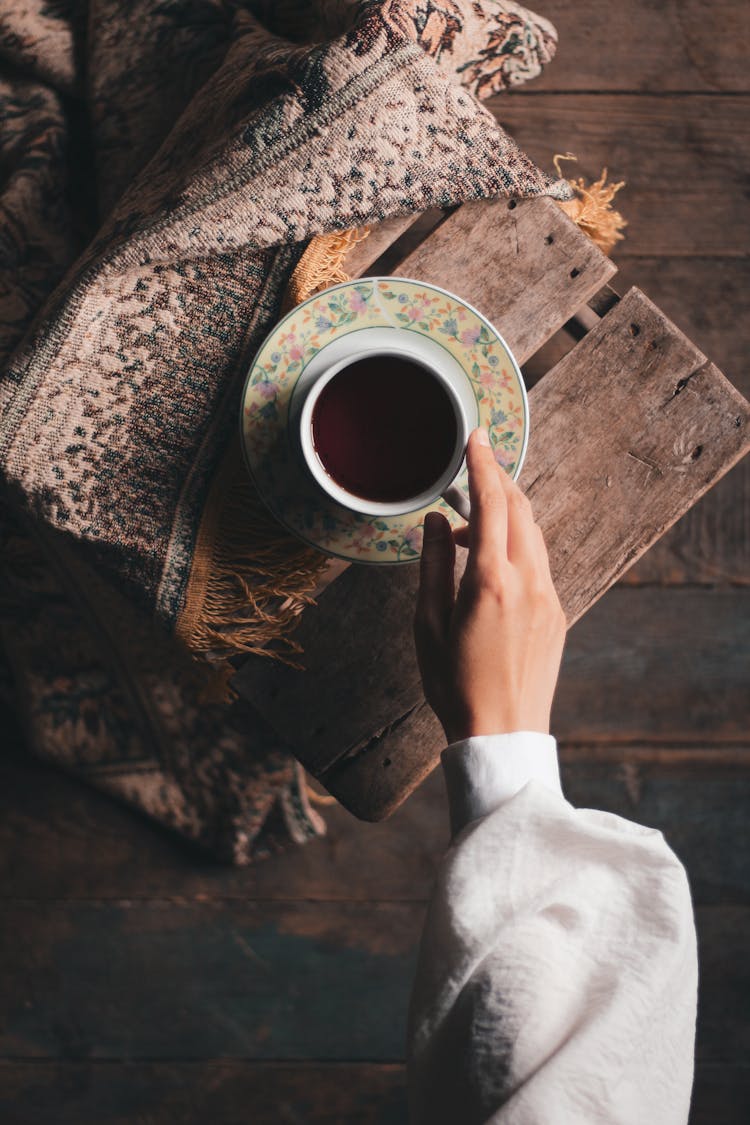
point(458, 500)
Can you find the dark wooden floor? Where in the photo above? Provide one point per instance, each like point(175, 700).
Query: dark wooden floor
point(139, 983)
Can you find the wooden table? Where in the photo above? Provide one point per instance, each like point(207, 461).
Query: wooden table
point(628, 430)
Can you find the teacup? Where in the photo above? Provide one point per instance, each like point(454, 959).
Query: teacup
point(383, 430)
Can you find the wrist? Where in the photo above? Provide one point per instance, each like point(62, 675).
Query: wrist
point(502, 723)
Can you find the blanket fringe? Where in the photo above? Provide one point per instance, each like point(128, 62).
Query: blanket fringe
point(592, 209)
point(249, 583)
point(321, 265)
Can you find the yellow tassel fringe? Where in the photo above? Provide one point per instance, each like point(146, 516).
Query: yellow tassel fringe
point(249, 583)
point(321, 265)
point(592, 208)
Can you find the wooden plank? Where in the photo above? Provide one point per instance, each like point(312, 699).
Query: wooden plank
point(645, 46)
point(672, 429)
point(712, 542)
point(720, 1093)
point(237, 1092)
point(224, 1093)
point(533, 287)
point(381, 236)
point(684, 160)
point(628, 431)
point(394, 237)
point(538, 269)
point(704, 297)
point(163, 981)
point(723, 1033)
point(632, 673)
point(700, 806)
point(60, 839)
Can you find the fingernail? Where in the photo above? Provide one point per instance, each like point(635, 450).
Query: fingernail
point(483, 438)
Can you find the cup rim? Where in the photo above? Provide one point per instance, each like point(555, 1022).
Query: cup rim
point(359, 504)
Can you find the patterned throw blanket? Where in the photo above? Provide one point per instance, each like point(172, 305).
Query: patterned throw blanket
point(165, 165)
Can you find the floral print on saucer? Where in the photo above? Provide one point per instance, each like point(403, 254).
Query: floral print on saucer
point(316, 334)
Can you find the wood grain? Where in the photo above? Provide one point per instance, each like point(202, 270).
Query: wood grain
point(391, 241)
point(193, 1093)
point(629, 430)
point(238, 1092)
point(643, 665)
point(62, 840)
point(704, 297)
point(683, 158)
point(164, 981)
point(642, 45)
point(711, 543)
point(674, 426)
point(537, 266)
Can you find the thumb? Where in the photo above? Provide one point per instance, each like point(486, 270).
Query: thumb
point(436, 587)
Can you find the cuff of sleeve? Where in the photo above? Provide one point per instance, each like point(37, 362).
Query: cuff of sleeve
point(483, 772)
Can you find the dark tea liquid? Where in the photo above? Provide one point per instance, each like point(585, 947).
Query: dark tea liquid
point(384, 428)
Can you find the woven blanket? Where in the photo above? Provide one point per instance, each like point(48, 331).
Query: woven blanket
point(166, 164)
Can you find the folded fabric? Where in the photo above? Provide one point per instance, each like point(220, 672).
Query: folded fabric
point(198, 158)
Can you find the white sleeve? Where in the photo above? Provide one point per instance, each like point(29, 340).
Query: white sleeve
point(557, 972)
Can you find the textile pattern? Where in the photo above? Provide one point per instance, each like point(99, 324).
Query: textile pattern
point(165, 163)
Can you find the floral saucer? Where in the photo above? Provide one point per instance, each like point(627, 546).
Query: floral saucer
point(317, 334)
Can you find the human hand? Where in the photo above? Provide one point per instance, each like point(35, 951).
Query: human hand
point(489, 655)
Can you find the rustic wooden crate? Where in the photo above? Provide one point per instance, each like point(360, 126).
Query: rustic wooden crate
point(628, 430)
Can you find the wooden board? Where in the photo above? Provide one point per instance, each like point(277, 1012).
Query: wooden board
point(180, 1093)
point(674, 426)
point(167, 981)
point(539, 269)
point(704, 296)
point(644, 45)
point(193, 1093)
point(664, 147)
point(623, 678)
point(528, 303)
point(62, 840)
point(238, 1092)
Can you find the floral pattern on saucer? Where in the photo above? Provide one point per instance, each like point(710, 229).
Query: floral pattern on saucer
point(389, 302)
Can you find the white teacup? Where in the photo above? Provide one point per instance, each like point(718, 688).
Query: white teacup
point(454, 386)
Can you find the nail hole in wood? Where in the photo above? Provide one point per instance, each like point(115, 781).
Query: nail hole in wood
point(386, 762)
point(511, 204)
point(574, 272)
point(549, 240)
point(696, 453)
point(634, 330)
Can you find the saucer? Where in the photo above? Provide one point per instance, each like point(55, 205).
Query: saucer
point(383, 311)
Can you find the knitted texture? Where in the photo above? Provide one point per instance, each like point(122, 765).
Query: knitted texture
point(212, 149)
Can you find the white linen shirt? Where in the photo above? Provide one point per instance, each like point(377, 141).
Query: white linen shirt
point(557, 973)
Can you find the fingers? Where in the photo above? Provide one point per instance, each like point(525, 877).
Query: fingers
point(525, 543)
point(436, 588)
point(502, 521)
point(461, 535)
point(488, 526)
